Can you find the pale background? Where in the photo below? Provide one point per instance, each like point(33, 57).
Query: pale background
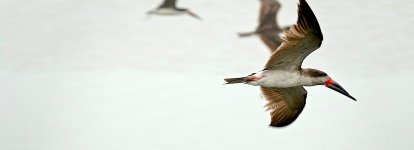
point(102, 75)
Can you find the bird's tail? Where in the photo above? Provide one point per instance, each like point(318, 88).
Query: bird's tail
point(246, 34)
point(235, 80)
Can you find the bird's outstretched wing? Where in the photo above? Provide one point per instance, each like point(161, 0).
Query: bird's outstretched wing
point(268, 28)
point(299, 41)
point(285, 104)
point(168, 4)
point(267, 17)
point(271, 39)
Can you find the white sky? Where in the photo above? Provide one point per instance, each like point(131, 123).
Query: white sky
point(85, 74)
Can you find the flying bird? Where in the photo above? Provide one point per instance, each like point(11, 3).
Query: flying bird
point(268, 29)
point(282, 79)
point(168, 8)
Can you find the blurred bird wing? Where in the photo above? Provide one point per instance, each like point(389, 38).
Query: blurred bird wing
point(267, 17)
point(299, 41)
point(168, 4)
point(271, 39)
point(285, 104)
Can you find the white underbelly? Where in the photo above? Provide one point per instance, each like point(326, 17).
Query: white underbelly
point(280, 79)
point(167, 11)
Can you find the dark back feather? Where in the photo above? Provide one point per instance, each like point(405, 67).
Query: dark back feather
point(168, 4)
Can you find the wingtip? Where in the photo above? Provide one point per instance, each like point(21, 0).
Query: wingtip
point(277, 126)
point(307, 19)
point(281, 124)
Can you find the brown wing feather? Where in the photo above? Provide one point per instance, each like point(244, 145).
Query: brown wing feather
point(168, 4)
point(285, 104)
point(299, 41)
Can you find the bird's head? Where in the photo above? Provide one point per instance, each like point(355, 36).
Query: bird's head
point(191, 13)
point(322, 78)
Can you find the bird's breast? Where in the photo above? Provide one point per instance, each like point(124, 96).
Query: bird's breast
point(281, 79)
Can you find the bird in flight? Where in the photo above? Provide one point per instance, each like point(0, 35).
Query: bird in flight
point(168, 8)
point(268, 29)
point(283, 78)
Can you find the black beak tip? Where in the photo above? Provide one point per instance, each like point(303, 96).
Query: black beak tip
point(349, 96)
point(336, 87)
point(198, 18)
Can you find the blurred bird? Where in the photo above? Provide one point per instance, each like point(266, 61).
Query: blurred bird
point(268, 28)
point(168, 8)
point(282, 79)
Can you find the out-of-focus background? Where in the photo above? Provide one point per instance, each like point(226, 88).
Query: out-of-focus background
point(86, 74)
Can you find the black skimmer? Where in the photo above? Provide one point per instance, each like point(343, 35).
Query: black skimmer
point(168, 8)
point(268, 29)
point(282, 79)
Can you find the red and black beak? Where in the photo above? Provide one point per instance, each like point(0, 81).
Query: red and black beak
point(335, 86)
point(193, 15)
